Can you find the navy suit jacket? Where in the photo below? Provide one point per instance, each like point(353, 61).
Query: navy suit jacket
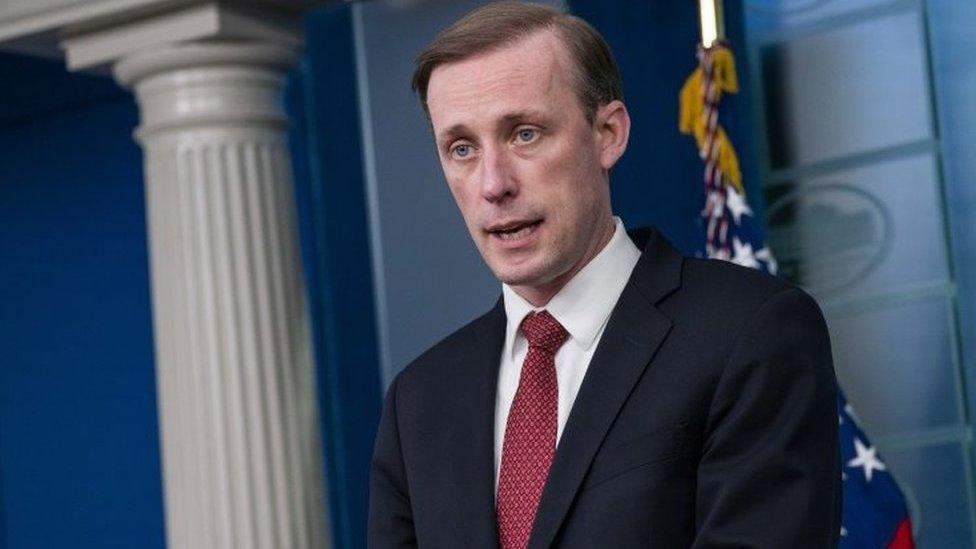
point(707, 418)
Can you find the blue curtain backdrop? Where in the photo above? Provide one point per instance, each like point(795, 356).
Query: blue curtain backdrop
point(79, 459)
point(330, 191)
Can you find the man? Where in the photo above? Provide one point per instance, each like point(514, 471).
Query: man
point(613, 397)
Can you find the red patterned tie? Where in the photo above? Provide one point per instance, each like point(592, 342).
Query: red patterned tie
point(530, 433)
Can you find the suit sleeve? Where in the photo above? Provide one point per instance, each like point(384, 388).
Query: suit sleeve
point(390, 516)
point(770, 473)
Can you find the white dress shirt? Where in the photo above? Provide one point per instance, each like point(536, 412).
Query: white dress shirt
point(583, 307)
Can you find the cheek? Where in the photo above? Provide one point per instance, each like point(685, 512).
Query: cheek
point(566, 182)
point(573, 161)
point(457, 188)
point(466, 203)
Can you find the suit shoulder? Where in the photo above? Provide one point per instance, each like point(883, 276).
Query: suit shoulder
point(724, 282)
point(751, 319)
point(719, 292)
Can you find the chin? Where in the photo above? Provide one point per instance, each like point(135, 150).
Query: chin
point(516, 275)
point(533, 275)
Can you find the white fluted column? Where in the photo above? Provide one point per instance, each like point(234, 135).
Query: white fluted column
point(241, 448)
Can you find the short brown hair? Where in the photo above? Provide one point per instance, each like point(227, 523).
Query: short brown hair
point(499, 24)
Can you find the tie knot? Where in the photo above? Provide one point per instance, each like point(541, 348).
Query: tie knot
point(543, 331)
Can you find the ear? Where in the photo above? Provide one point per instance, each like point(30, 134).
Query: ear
point(612, 126)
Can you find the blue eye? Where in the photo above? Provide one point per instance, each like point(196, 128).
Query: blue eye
point(461, 151)
point(526, 134)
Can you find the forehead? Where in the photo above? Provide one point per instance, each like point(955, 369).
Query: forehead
point(532, 73)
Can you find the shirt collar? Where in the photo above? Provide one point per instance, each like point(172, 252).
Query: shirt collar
point(584, 304)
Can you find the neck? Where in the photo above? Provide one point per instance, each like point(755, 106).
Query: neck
point(540, 295)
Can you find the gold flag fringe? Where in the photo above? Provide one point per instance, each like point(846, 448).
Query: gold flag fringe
point(692, 106)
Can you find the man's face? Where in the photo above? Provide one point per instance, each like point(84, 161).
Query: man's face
point(528, 171)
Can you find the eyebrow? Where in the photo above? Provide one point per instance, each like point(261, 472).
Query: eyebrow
point(521, 115)
point(458, 130)
point(451, 133)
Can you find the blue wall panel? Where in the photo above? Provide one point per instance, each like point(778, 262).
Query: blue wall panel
point(79, 459)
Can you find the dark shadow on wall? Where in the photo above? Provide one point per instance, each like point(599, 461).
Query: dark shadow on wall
point(330, 192)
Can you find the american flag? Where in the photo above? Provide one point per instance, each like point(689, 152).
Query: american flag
point(731, 230)
point(875, 514)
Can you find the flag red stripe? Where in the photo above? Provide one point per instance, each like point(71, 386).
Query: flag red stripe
point(903, 536)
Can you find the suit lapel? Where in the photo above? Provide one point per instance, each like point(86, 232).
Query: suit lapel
point(473, 432)
point(635, 330)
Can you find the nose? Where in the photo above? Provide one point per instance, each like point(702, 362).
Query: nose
point(497, 177)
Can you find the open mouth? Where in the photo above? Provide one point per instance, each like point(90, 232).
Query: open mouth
point(515, 231)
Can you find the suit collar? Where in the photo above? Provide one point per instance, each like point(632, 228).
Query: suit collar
point(658, 271)
point(634, 332)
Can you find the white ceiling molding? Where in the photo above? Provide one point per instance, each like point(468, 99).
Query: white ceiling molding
point(91, 30)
